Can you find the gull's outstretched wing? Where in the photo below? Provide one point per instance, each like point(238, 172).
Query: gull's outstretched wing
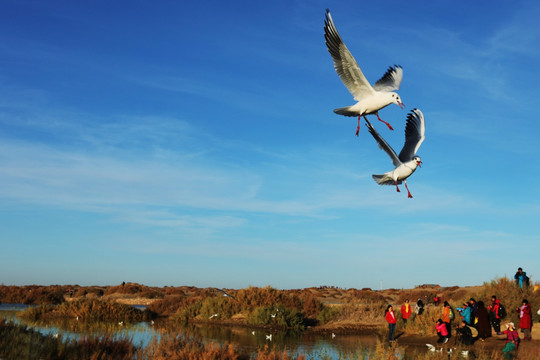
point(391, 80)
point(383, 145)
point(344, 63)
point(415, 133)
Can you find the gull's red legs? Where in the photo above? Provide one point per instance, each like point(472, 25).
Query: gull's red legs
point(409, 193)
point(387, 124)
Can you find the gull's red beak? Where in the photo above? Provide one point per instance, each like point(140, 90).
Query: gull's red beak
point(401, 105)
point(419, 163)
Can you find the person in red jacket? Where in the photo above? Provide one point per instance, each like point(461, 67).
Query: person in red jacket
point(406, 311)
point(391, 318)
point(525, 319)
point(494, 316)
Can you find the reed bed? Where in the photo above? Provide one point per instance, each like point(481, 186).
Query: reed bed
point(256, 306)
point(88, 310)
point(19, 342)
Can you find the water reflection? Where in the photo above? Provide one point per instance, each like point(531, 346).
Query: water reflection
point(315, 346)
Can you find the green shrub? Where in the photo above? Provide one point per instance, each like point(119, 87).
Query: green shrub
point(225, 307)
point(327, 314)
point(187, 313)
point(277, 316)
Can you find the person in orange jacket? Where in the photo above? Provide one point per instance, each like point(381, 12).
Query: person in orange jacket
point(448, 316)
point(406, 311)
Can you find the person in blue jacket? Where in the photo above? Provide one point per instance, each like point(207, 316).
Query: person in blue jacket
point(466, 312)
point(521, 278)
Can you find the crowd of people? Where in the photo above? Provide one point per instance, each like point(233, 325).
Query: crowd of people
point(478, 320)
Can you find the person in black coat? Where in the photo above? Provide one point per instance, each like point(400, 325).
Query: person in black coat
point(483, 325)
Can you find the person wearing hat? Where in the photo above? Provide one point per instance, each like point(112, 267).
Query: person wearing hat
point(512, 340)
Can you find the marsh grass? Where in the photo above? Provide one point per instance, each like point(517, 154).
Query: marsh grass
point(258, 306)
point(174, 347)
point(19, 342)
point(367, 307)
point(423, 324)
point(88, 310)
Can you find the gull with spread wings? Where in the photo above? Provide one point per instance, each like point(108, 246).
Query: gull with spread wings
point(370, 99)
point(407, 161)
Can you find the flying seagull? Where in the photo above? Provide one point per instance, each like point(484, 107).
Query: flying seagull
point(407, 161)
point(225, 293)
point(370, 99)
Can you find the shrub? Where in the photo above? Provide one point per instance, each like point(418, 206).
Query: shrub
point(327, 314)
point(87, 310)
point(187, 313)
point(32, 294)
point(225, 307)
point(277, 316)
point(170, 305)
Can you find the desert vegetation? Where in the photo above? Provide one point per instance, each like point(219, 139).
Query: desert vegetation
point(32, 294)
point(20, 342)
point(323, 309)
point(89, 310)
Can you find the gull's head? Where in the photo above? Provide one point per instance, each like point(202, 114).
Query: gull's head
point(417, 160)
point(397, 100)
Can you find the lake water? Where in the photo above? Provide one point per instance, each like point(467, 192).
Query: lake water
point(314, 346)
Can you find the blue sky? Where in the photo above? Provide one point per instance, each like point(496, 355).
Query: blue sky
point(174, 143)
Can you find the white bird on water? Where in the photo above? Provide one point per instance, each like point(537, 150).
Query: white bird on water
point(370, 99)
point(269, 337)
point(407, 161)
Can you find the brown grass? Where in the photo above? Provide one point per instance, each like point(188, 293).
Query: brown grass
point(90, 310)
